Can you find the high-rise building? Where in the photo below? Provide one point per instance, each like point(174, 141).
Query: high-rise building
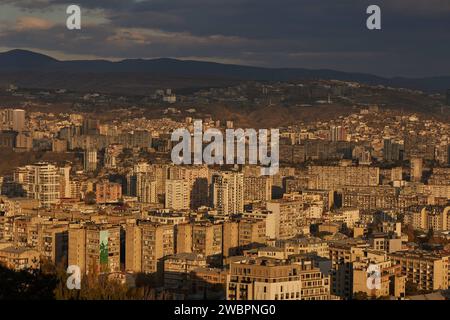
point(146, 245)
point(416, 169)
point(338, 133)
point(53, 242)
point(40, 181)
point(257, 189)
point(91, 127)
point(286, 218)
point(239, 234)
point(108, 192)
point(95, 247)
point(111, 154)
point(178, 195)
point(16, 119)
point(397, 174)
point(90, 160)
point(64, 180)
point(392, 151)
point(202, 238)
point(198, 179)
point(8, 139)
point(228, 192)
point(143, 173)
point(391, 282)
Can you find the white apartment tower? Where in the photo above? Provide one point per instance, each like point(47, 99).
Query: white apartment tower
point(40, 181)
point(228, 192)
point(178, 194)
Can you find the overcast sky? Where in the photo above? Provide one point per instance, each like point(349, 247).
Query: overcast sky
point(414, 40)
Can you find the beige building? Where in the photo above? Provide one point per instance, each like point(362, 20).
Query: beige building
point(95, 247)
point(304, 245)
point(274, 279)
point(202, 238)
point(416, 169)
point(342, 255)
point(287, 218)
point(178, 195)
point(385, 281)
point(41, 182)
point(108, 192)
point(53, 243)
point(19, 258)
point(146, 246)
point(436, 218)
point(331, 177)
point(198, 178)
point(178, 267)
point(238, 234)
point(428, 271)
point(257, 189)
point(228, 192)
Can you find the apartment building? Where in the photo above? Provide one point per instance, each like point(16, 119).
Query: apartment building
point(386, 281)
point(94, 247)
point(348, 216)
point(304, 245)
point(429, 271)
point(257, 189)
point(203, 238)
point(19, 258)
point(146, 245)
point(40, 181)
point(436, 218)
point(198, 179)
point(108, 192)
point(288, 218)
point(228, 192)
point(342, 255)
point(53, 242)
point(274, 279)
point(178, 267)
point(332, 177)
point(239, 234)
point(178, 195)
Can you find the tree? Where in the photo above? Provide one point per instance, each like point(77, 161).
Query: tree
point(360, 296)
point(30, 284)
point(90, 198)
point(411, 288)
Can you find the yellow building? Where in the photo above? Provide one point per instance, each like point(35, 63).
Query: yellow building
point(427, 270)
point(19, 258)
point(95, 247)
point(274, 279)
point(146, 245)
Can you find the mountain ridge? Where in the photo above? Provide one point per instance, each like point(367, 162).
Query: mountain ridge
point(17, 61)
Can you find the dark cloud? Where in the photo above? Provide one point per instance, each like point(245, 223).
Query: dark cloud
point(292, 33)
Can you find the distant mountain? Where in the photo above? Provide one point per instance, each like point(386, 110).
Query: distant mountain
point(24, 60)
point(30, 69)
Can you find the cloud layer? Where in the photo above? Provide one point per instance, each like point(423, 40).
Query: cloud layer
point(414, 40)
